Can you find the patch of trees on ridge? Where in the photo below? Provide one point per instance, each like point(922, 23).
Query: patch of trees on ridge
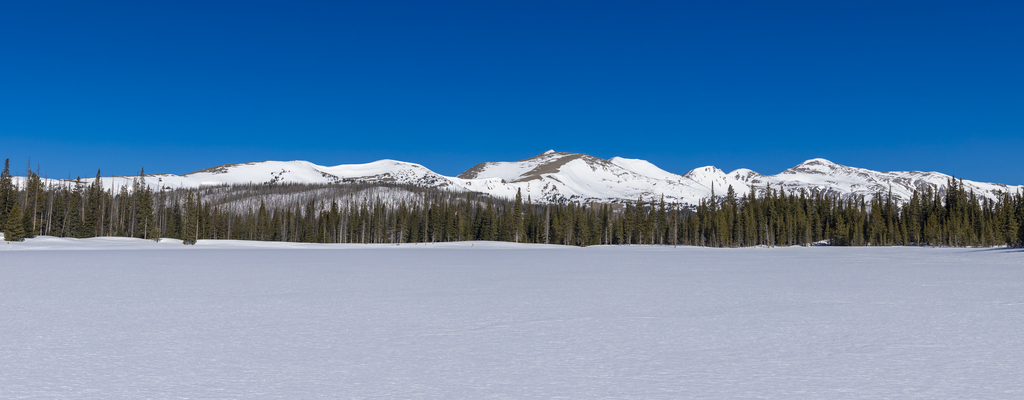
point(390, 213)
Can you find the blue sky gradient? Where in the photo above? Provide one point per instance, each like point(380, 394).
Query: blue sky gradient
point(180, 86)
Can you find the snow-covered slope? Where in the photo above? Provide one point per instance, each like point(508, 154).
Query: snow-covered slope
point(559, 177)
point(554, 176)
point(285, 172)
point(820, 175)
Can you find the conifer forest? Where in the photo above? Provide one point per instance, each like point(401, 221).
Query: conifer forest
point(391, 213)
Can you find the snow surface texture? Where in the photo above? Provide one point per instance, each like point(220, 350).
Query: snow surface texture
point(123, 318)
point(553, 177)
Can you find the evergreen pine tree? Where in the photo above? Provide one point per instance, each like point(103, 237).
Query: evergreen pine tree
point(517, 217)
point(1008, 221)
point(90, 220)
point(190, 227)
point(14, 231)
point(262, 222)
point(7, 193)
point(35, 197)
point(144, 208)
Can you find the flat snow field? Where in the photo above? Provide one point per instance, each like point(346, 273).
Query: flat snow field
point(124, 318)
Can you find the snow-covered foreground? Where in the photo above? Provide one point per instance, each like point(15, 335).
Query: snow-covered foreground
point(121, 318)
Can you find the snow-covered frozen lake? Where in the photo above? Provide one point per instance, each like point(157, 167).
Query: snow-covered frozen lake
point(121, 318)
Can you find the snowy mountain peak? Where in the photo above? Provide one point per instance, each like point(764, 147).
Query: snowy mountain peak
point(818, 161)
point(745, 173)
point(548, 152)
point(709, 170)
point(711, 177)
point(816, 166)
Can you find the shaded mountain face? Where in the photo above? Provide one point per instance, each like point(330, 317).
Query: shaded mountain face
point(554, 177)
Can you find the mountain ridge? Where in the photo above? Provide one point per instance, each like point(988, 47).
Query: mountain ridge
point(555, 177)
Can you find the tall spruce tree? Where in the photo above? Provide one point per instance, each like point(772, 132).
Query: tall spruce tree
point(8, 196)
point(518, 227)
point(92, 207)
point(35, 208)
point(14, 231)
point(143, 213)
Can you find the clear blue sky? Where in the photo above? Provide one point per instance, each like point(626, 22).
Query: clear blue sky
point(180, 86)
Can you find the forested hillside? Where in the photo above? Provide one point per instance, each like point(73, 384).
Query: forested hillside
point(394, 213)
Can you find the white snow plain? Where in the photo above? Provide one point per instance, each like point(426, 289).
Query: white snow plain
point(124, 318)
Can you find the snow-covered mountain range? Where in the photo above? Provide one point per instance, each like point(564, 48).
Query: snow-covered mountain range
point(559, 177)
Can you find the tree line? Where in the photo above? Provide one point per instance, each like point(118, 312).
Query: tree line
point(392, 213)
